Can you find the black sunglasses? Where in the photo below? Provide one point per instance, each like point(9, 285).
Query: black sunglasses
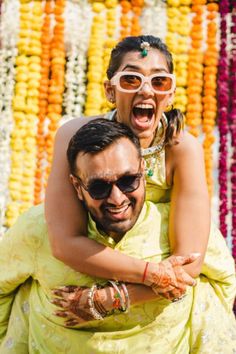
point(101, 189)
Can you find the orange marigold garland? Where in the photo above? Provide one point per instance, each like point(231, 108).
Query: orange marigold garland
point(195, 69)
point(56, 83)
point(43, 102)
point(209, 90)
point(137, 6)
point(125, 21)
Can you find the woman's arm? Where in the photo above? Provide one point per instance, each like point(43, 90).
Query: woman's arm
point(189, 222)
point(66, 220)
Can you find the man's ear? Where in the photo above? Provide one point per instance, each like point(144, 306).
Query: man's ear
point(77, 186)
point(109, 91)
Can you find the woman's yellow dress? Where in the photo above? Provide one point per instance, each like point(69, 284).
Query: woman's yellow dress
point(203, 322)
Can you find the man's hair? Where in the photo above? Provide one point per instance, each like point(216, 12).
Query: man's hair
point(97, 135)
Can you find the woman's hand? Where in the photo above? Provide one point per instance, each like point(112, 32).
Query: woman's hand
point(73, 303)
point(168, 278)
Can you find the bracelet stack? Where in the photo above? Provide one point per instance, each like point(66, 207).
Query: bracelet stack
point(119, 304)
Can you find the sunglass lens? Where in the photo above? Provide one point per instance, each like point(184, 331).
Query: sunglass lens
point(130, 82)
point(99, 189)
point(128, 183)
point(161, 83)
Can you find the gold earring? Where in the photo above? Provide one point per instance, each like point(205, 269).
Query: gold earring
point(169, 108)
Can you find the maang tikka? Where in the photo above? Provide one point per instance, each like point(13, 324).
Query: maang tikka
point(145, 46)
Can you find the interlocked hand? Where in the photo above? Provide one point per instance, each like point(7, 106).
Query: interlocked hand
point(168, 277)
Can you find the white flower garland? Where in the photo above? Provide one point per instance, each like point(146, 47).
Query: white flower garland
point(153, 18)
point(78, 18)
point(9, 27)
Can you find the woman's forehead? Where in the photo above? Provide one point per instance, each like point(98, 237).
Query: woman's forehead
point(154, 61)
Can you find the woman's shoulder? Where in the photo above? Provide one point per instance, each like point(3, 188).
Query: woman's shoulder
point(186, 144)
point(187, 152)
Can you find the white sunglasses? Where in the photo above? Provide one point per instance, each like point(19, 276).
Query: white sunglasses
point(129, 81)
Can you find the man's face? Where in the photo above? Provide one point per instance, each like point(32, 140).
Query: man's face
point(118, 212)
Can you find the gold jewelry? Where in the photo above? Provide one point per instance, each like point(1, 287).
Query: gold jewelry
point(169, 108)
point(153, 151)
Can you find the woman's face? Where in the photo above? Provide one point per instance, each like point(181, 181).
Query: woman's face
point(141, 110)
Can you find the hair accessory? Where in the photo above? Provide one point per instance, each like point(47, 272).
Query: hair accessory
point(145, 46)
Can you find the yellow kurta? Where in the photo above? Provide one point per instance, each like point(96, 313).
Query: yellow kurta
point(202, 322)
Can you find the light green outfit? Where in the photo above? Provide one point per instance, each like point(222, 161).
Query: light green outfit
point(202, 322)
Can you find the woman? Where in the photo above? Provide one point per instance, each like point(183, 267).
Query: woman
point(175, 166)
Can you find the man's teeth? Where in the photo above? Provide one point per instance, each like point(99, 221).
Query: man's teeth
point(144, 106)
point(118, 210)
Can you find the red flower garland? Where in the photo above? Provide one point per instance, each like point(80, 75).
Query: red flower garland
point(233, 124)
point(223, 99)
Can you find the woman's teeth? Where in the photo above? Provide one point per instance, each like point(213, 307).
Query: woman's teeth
point(143, 111)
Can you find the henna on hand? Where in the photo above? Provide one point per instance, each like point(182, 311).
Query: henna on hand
point(168, 277)
point(73, 302)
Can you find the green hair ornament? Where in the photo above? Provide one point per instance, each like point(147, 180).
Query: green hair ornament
point(145, 46)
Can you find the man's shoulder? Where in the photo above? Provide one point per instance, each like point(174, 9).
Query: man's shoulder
point(31, 224)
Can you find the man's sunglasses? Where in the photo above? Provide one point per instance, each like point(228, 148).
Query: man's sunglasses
point(101, 189)
point(129, 81)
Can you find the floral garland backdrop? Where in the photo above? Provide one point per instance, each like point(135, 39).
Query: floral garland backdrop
point(53, 57)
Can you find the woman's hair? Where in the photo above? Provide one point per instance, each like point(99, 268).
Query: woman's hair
point(97, 135)
point(133, 44)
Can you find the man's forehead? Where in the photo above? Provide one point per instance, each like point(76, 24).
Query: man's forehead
point(117, 159)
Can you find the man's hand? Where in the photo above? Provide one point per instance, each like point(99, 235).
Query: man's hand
point(168, 277)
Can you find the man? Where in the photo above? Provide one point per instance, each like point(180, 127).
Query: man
point(107, 174)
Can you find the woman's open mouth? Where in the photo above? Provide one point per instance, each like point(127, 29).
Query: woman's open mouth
point(142, 116)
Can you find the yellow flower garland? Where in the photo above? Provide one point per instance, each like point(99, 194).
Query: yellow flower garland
point(25, 109)
point(178, 28)
point(95, 96)
point(111, 14)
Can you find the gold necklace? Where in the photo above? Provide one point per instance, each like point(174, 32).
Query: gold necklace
point(152, 152)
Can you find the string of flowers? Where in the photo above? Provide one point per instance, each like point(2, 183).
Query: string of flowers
point(9, 27)
point(77, 29)
point(178, 26)
point(110, 41)
point(209, 91)
point(94, 98)
point(25, 109)
point(43, 102)
point(223, 99)
point(195, 69)
point(232, 116)
point(125, 20)
point(136, 7)
point(56, 83)
point(32, 49)
point(153, 18)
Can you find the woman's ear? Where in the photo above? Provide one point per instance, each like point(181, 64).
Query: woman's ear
point(142, 165)
point(109, 91)
point(77, 186)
